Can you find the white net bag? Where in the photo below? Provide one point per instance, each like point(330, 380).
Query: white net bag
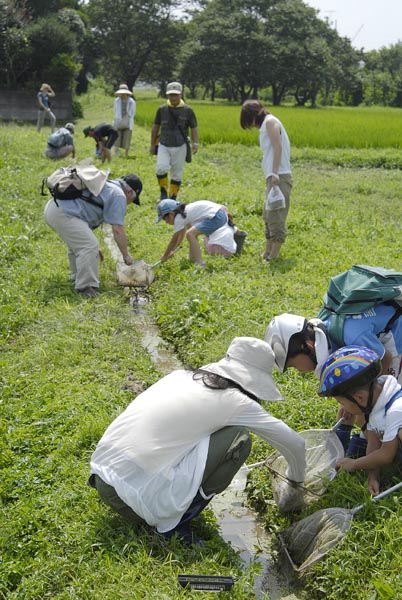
point(139, 274)
point(323, 450)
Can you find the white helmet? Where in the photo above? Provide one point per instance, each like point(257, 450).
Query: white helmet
point(278, 335)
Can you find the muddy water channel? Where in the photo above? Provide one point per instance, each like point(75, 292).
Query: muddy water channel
point(239, 525)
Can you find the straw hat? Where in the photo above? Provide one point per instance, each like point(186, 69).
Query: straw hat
point(249, 362)
point(123, 91)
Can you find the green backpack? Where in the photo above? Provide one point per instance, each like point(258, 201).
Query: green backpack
point(356, 291)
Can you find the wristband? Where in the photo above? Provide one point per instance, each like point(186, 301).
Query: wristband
point(273, 174)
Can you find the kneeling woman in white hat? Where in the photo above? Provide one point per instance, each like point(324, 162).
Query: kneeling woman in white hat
point(182, 440)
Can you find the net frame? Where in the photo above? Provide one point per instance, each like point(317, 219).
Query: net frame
point(308, 540)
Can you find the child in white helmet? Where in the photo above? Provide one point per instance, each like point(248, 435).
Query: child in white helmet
point(306, 344)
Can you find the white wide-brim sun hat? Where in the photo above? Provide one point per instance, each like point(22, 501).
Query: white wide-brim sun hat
point(249, 363)
point(123, 91)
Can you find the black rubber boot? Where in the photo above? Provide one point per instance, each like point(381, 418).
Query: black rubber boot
point(343, 432)
point(357, 446)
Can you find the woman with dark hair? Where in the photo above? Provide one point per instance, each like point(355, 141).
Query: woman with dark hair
point(190, 220)
point(275, 145)
point(183, 439)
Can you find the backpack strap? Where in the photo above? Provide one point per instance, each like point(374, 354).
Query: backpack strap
point(90, 199)
point(395, 316)
point(174, 119)
point(390, 402)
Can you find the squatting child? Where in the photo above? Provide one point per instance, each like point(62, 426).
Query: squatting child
point(352, 376)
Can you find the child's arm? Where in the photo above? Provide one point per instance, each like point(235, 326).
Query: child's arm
point(378, 455)
point(176, 240)
point(374, 482)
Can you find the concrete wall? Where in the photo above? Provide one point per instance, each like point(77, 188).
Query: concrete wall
point(23, 106)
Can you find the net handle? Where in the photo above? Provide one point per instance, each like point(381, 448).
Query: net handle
point(390, 490)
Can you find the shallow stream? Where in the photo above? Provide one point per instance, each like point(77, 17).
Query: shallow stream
point(238, 524)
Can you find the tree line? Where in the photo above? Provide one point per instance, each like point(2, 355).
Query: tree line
point(279, 50)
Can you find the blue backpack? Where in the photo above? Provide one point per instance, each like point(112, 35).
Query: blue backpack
point(357, 290)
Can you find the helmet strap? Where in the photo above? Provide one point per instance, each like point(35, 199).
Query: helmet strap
point(309, 352)
point(366, 410)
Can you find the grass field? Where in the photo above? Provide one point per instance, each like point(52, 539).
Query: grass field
point(69, 366)
point(323, 128)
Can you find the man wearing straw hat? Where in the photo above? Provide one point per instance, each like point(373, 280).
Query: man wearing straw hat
point(44, 110)
point(182, 440)
point(124, 113)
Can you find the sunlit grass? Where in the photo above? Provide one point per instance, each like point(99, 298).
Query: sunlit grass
point(68, 364)
point(331, 127)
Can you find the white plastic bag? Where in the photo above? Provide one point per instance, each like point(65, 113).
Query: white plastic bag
point(274, 199)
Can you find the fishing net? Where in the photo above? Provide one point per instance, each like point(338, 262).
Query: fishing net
point(139, 274)
point(323, 450)
point(308, 540)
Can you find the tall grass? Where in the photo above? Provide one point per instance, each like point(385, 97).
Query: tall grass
point(312, 128)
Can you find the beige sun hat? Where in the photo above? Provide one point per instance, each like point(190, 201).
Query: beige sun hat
point(123, 90)
point(249, 363)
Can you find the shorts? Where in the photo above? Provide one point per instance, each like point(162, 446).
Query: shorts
point(208, 226)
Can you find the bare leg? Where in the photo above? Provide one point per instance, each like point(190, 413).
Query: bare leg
point(195, 250)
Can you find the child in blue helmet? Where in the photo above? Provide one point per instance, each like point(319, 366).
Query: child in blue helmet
point(352, 376)
point(305, 345)
point(190, 220)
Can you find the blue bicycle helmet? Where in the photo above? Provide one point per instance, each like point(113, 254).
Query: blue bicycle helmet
point(348, 368)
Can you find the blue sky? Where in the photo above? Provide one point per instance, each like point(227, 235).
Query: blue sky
point(370, 24)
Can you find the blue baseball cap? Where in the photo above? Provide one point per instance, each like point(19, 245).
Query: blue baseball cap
point(165, 207)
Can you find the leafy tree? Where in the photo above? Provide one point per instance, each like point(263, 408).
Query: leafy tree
point(53, 51)
point(14, 48)
point(391, 66)
point(33, 9)
point(32, 51)
point(227, 45)
point(134, 36)
point(300, 52)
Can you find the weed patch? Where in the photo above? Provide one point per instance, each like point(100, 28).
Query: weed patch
point(69, 365)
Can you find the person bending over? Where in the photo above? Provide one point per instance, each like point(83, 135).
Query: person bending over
point(182, 440)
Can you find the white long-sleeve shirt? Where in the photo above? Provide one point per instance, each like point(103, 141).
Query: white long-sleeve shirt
point(154, 453)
